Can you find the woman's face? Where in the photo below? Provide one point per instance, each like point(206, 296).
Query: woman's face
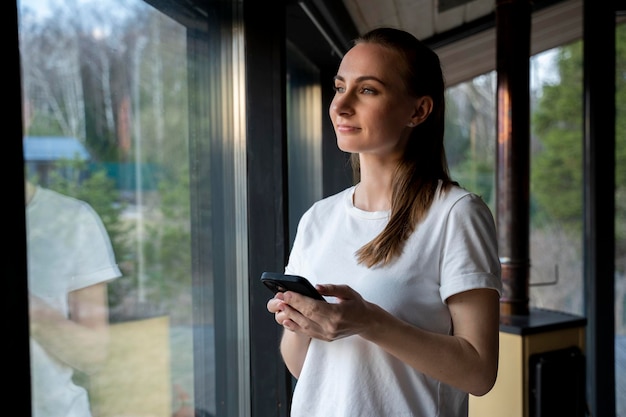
point(371, 110)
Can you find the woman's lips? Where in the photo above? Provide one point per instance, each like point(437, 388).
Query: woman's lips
point(346, 128)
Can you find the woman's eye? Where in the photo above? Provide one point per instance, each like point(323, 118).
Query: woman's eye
point(338, 89)
point(367, 90)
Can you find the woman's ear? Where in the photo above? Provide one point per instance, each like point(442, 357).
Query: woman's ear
point(423, 108)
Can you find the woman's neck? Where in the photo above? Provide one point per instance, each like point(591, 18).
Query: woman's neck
point(373, 194)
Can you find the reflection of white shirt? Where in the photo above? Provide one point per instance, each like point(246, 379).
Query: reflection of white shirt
point(454, 249)
point(68, 249)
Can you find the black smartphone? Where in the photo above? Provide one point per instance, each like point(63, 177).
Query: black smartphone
point(278, 282)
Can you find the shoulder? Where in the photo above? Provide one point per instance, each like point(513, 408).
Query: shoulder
point(55, 199)
point(456, 197)
point(458, 207)
point(466, 212)
point(63, 208)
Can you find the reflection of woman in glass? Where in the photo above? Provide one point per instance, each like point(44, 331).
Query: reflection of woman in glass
point(70, 259)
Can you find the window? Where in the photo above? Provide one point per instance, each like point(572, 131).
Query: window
point(137, 214)
point(555, 225)
point(556, 207)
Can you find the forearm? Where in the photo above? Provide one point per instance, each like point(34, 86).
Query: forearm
point(293, 348)
point(447, 358)
point(81, 347)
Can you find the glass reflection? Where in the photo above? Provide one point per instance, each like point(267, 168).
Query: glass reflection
point(106, 158)
point(70, 260)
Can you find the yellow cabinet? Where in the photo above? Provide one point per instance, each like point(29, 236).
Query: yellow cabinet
point(526, 344)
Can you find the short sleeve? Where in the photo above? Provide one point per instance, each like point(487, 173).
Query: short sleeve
point(95, 260)
point(470, 251)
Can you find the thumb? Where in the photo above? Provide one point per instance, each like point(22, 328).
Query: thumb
point(342, 292)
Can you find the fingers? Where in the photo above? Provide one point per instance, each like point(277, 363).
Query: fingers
point(283, 313)
point(341, 292)
point(314, 318)
point(274, 305)
point(303, 304)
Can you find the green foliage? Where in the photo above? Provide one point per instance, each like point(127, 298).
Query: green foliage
point(72, 178)
point(556, 174)
point(44, 125)
point(557, 166)
point(557, 163)
point(457, 140)
point(167, 247)
point(470, 136)
point(477, 176)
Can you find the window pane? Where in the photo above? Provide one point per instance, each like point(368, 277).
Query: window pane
point(556, 206)
point(109, 219)
point(556, 164)
point(470, 137)
point(556, 188)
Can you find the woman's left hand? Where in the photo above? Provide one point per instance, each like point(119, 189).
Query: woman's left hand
point(350, 314)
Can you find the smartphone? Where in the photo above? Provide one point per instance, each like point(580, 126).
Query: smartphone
point(278, 282)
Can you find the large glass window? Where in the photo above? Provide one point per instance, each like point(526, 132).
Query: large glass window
point(131, 157)
point(556, 211)
point(556, 204)
point(556, 164)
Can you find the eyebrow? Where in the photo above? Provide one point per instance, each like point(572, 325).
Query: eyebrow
point(361, 78)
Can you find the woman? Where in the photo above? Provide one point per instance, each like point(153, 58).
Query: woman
point(70, 263)
point(407, 258)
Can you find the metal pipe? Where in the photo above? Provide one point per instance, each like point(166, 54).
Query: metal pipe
point(513, 23)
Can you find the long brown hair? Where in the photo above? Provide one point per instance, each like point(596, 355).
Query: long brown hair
point(424, 163)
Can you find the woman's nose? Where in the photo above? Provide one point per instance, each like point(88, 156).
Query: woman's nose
point(342, 104)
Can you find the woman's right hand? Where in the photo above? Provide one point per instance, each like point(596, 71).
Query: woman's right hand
point(293, 346)
point(276, 306)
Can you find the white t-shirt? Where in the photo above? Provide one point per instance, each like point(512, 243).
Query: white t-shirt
point(68, 249)
point(453, 250)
